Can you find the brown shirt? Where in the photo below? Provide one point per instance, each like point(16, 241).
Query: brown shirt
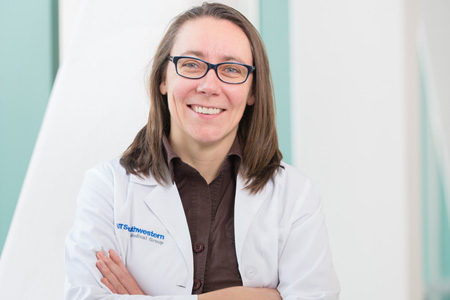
point(209, 212)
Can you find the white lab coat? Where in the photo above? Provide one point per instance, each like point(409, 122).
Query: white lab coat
point(280, 235)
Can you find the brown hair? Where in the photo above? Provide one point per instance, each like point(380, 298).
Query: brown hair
point(257, 131)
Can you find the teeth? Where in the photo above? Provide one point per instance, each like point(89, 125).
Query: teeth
point(206, 110)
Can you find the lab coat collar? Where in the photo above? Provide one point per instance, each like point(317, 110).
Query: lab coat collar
point(149, 179)
point(165, 203)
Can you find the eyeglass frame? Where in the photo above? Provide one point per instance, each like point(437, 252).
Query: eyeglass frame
point(174, 59)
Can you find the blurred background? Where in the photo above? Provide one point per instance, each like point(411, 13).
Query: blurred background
point(363, 105)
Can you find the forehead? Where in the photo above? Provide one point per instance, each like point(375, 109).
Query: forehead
point(212, 39)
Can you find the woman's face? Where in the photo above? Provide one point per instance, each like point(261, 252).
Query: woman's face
point(207, 111)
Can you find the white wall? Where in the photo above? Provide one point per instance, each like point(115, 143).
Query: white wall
point(69, 13)
point(434, 17)
point(354, 110)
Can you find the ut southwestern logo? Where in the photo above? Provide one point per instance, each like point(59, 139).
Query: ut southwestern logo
point(139, 230)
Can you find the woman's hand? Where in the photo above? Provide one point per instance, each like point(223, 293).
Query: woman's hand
point(115, 275)
point(242, 293)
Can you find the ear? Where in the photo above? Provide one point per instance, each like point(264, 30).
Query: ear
point(163, 88)
point(251, 100)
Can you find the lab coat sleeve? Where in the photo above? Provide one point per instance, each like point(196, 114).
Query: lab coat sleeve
point(305, 267)
point(93, 231)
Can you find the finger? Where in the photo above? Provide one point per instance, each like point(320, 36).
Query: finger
point(118, 261)
point(127, 280)
point(108, 284)
point(111, 277)
point(118, 274)
point(100, 254)
point(113, 267)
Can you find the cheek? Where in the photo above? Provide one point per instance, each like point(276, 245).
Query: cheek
point(181, 91)
point(177, 97)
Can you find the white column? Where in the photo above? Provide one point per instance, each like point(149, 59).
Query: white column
point(354, 109)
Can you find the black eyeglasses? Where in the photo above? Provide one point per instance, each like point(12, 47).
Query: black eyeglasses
point(196, 68)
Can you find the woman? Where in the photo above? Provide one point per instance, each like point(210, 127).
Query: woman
point(200, 203)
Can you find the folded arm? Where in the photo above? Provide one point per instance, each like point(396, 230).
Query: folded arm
point(117, 278)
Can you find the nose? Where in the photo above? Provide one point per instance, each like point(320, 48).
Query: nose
point(209, 84)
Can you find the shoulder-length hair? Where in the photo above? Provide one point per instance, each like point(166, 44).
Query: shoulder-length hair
point(257, 131)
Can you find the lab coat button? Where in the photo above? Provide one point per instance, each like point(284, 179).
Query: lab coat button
point(199, 247)
point(250, 272)
point(197, 284)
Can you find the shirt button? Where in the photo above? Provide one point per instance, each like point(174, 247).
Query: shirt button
point(197, 284)
point(199, 247)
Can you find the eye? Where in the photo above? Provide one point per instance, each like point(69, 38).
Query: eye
point(232, 70)
point(190, 64)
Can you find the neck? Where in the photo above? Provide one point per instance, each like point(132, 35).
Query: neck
point(205, 158)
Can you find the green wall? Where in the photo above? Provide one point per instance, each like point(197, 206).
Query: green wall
point(28, 64)
point(274, 27)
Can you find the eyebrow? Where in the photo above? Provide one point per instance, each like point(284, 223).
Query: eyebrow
point(201, 55)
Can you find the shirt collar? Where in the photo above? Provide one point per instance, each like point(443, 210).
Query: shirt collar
point(234, 155)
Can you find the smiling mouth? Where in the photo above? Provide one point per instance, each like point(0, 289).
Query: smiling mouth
point(206, 110)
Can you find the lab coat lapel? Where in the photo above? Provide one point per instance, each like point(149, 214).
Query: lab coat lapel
point(245, 208)
point(165, 203)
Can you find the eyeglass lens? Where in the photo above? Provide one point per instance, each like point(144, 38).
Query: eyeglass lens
point(193, 68)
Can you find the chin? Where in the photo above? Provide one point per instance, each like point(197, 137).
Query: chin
point(212, 135)
point(207, 141)
point(210, 138)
